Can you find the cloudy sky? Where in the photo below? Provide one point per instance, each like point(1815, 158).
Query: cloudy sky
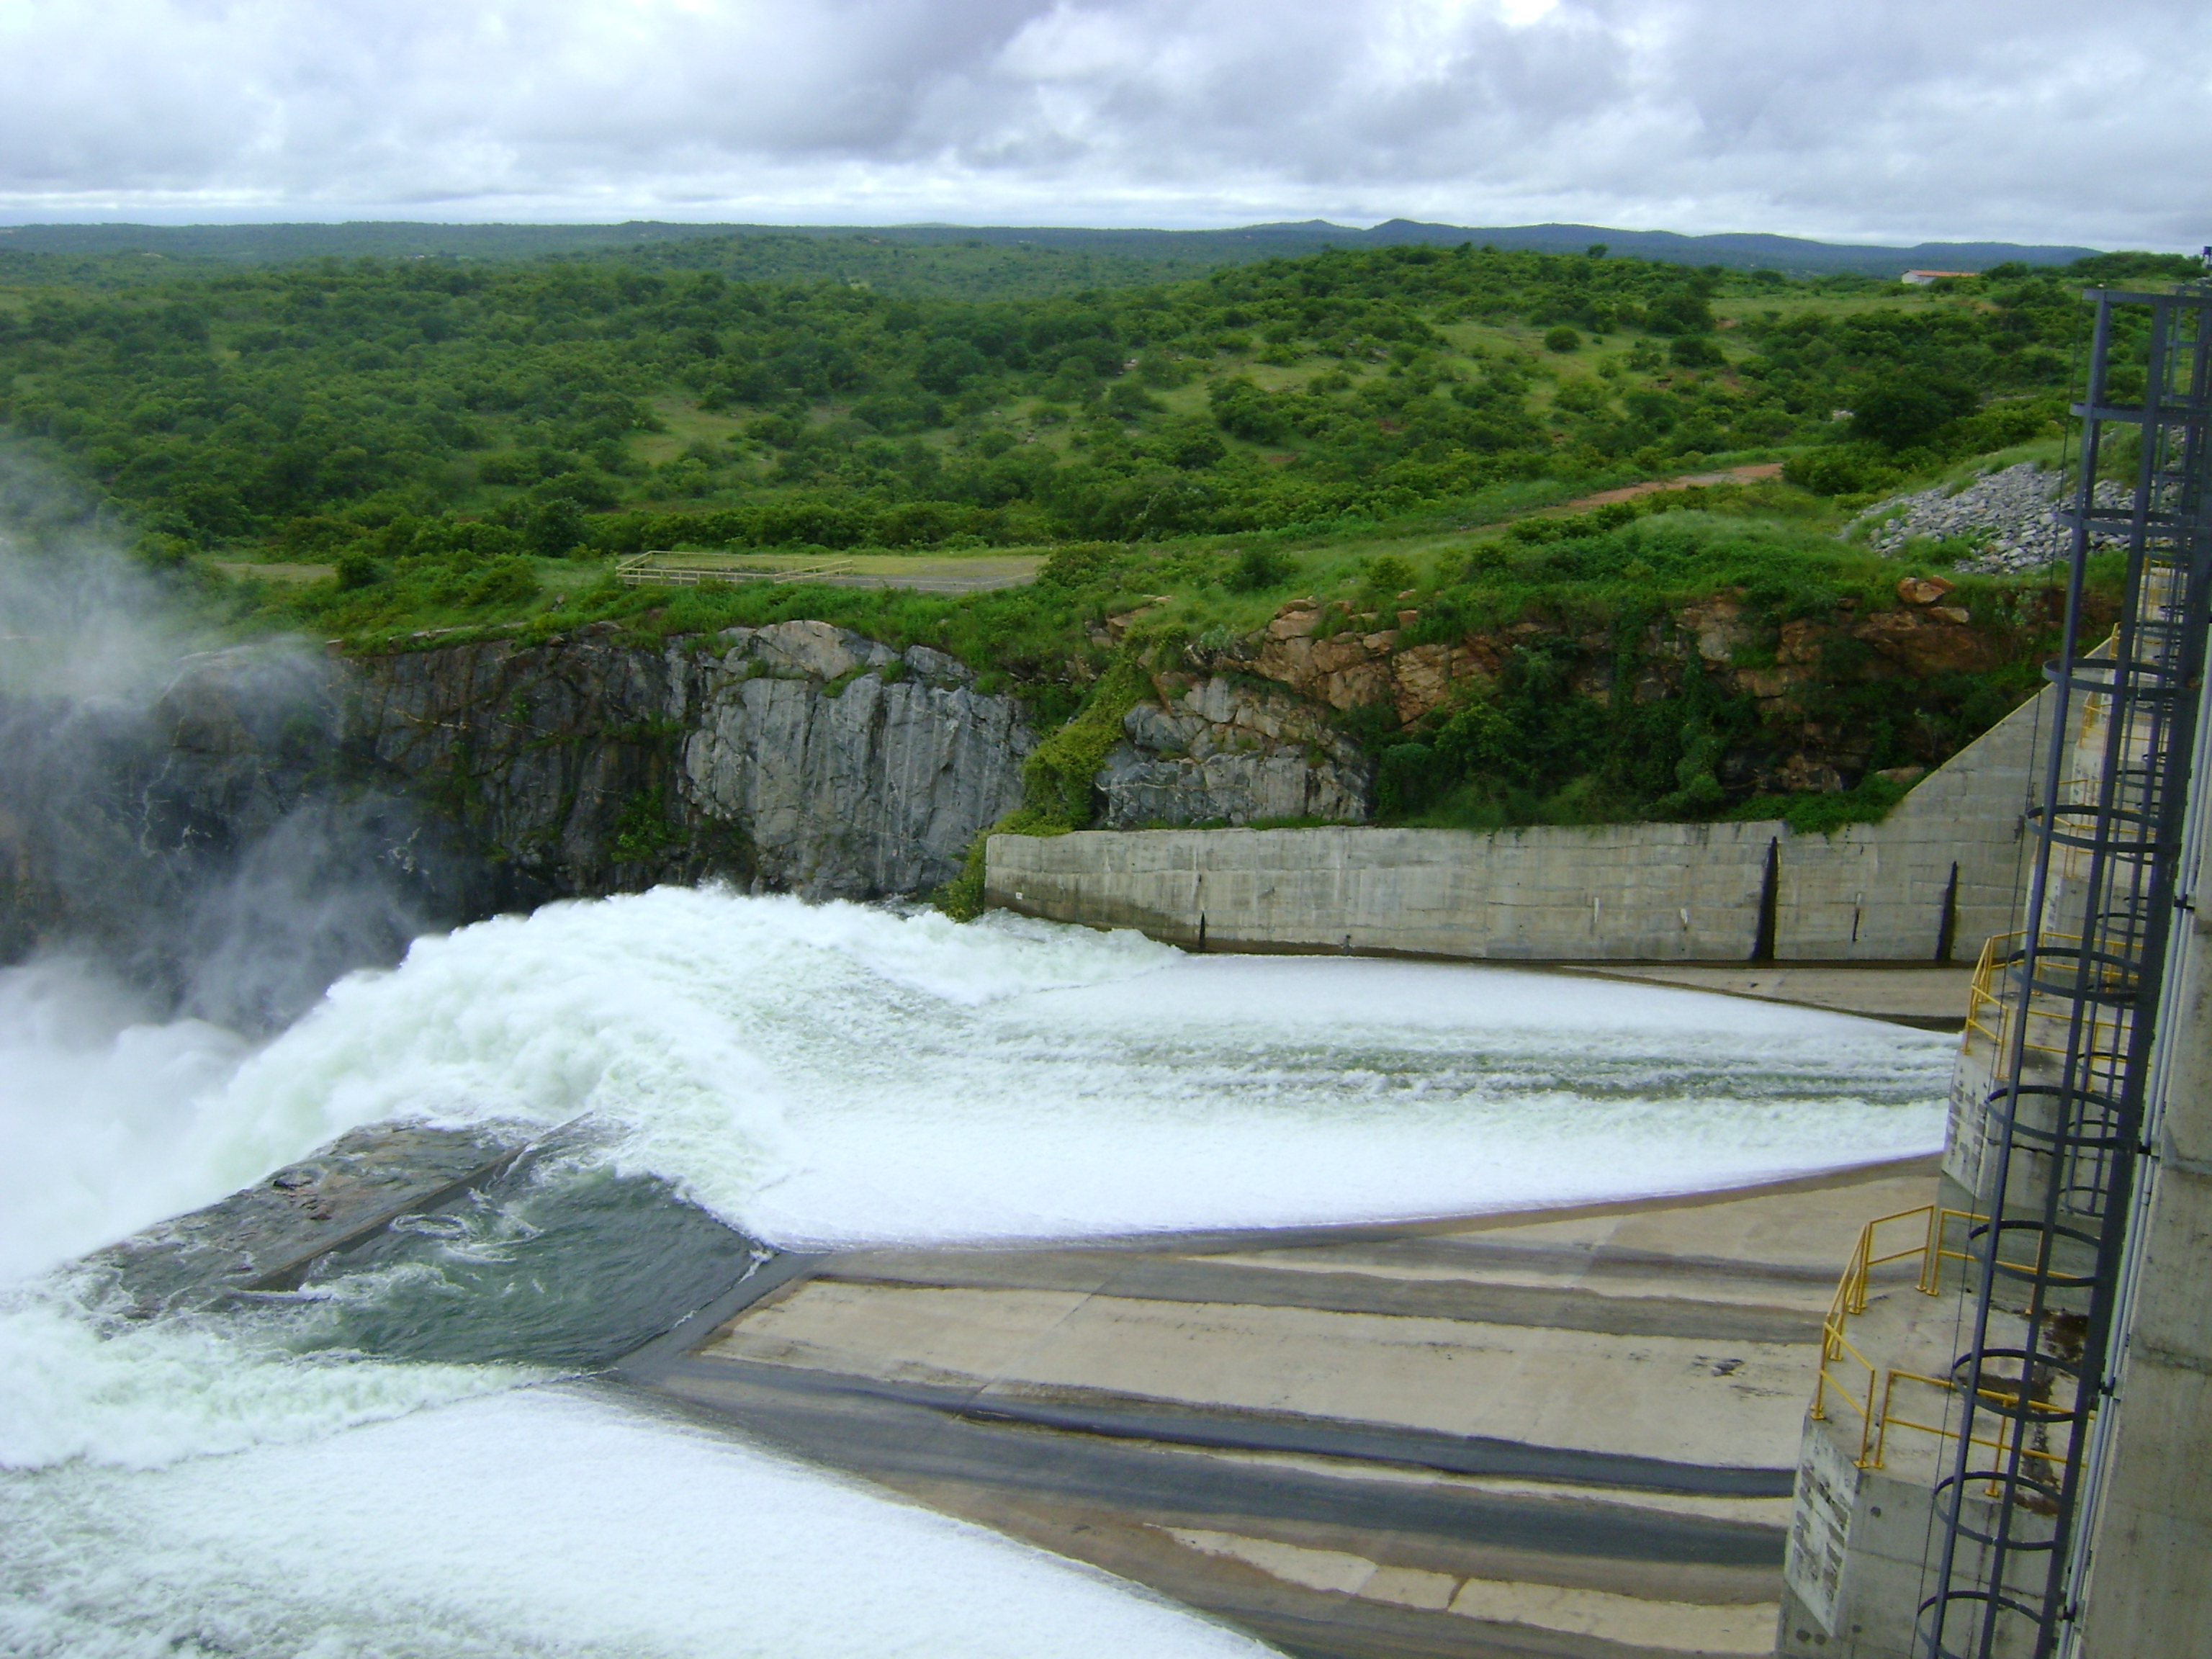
point(1852, 119)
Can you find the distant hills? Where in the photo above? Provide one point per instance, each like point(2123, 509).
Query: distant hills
point(1741, 250)
point(282, 243)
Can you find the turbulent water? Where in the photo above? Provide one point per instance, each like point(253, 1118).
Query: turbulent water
point(389, 1463)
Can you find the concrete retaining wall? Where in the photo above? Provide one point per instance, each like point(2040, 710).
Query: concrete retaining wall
point(1930, 883)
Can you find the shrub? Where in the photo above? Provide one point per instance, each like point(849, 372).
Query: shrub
point(1840, 470)
point(1258, 568)
point(1242, 410)
point(1387, 573)
point(1189, 445)
point(1076, 564)
point(504, 582)
point(1683, 311)
point(1908, 409)
point(1563, 339)
point(1056, 779)
point(1694, 351)
point(357, 570)
point(949, 364)
point(508, 470)
point(1130, 401)
point(556, 528)
point(162, 550)
point(1582, 396)
point(593, 490)
point(1825, 814)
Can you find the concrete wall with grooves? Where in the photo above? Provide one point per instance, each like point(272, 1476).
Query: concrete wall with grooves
point(1931, 883)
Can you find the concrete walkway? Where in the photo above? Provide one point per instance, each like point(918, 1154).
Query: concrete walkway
point(1567, 1432)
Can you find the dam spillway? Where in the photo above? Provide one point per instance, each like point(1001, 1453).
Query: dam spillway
point(836, 1080)
point(1568, 1431)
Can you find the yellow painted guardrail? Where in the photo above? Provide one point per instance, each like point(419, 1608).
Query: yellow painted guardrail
point(1991, 1007)
point(1874, 1400)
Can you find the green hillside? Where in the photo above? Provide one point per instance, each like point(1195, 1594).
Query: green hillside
point(308, 408)
point(378, 449)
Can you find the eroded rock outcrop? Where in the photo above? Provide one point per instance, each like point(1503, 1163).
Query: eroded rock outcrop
point(854, 769)
point(1224, 751)
point(800, 756)
point(1336, 657)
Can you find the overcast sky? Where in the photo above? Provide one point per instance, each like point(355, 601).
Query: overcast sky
point(1852, 119)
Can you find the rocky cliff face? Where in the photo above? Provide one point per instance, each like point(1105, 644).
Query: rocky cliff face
point(266, 818)
point(1331, 657)
point(1226, 751)
point(1350, 665)
point(800, 756)
point(209, 837)
point(851, 768)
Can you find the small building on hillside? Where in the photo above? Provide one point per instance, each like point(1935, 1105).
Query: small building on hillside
point(1922, 278)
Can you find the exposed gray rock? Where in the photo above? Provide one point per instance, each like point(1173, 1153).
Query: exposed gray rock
point(878, 789)
point(811, 650)
point(1225, 751)
point(800, 756)
point(2006, 514)
point(266, 1237)
point(937, 668)
point(552, 761)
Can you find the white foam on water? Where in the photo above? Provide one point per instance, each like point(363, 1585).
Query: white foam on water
point(835, 1073)
point(1249, 1092)
point(545, 1522)
point(813, 1073)
point(688, 1020)
point(145, 1396)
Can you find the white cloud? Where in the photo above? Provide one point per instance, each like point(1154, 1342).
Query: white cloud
point(2029, 119)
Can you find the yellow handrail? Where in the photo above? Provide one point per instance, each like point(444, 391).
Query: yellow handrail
point(1889, 1420)
point(1992, 1005)
point(1850, 1300)
point(1874, 1402)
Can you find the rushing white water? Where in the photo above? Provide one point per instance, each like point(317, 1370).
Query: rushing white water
point(811, 1073)
point(542, 1523)
point(95, 1104)
point(833, 1072)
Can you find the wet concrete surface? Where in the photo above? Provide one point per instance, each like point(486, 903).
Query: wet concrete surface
point(1566, 1433)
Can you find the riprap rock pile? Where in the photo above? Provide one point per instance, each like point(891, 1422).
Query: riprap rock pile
point(2009, 510)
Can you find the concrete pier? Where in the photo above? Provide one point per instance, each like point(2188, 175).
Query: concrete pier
point(1563, 1432)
